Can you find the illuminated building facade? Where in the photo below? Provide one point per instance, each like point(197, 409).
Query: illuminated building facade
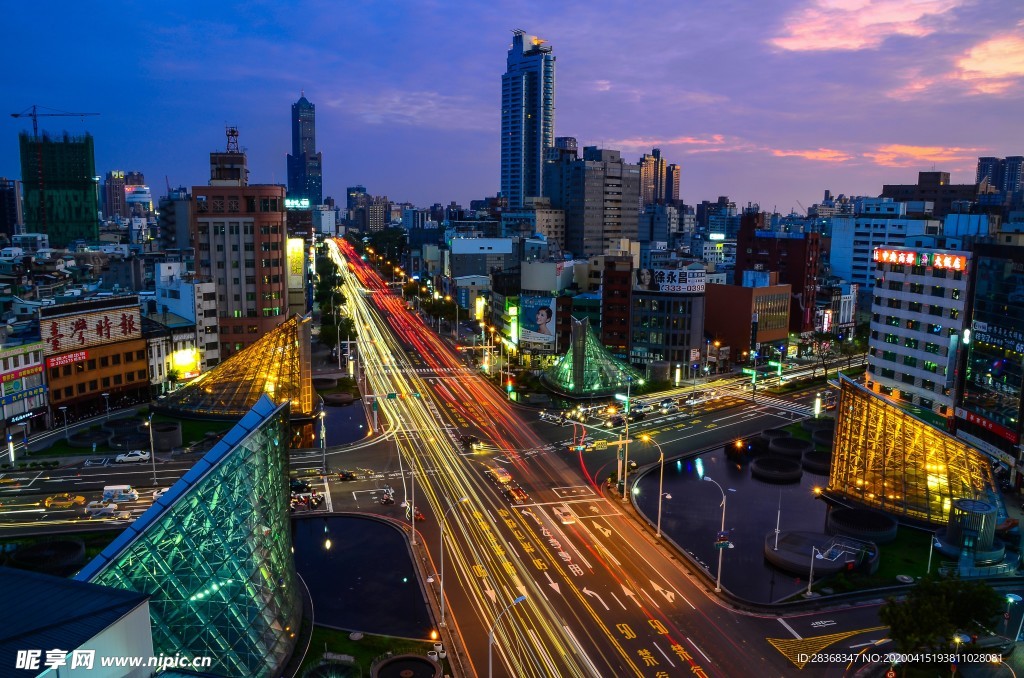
point(277, 366)
point(214, 555)
point(588, 369)
point(93, 347)
point(988, 414)
point(886, 458)
point(917, 318)
point(527, 116)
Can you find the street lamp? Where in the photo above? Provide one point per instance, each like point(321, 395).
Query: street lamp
point(106, 398)
point(323, 440)
point(490, 635)
point(718, 579)
point(625, 454)
point(661, 476)
point(461, 500)
point(815, 554)
point(64, 411)
point(152, 453)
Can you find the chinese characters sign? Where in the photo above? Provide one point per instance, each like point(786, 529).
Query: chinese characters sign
point(953, 262)
point(67, 359)
point(296, 262)
point(679, 281)
point(69, 333)
point(1001, 431)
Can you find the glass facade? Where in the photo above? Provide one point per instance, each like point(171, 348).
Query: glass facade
point(886, 458)
point(993, 372)
point(277, 365)
point(214, 554)
point(588, 369)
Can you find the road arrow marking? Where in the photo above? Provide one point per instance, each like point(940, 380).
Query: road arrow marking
point(670, 596)
point(594, 509)
point(551, 582)
point(593, 594)
point(491, 594)
point(632, 595)
point(605, 531)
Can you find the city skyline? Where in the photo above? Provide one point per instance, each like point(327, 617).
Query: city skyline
point(764, 105)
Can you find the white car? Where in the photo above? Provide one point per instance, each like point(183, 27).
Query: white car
point(159, 492)
point(100, 509)
point(132, 457)
point(564, 514)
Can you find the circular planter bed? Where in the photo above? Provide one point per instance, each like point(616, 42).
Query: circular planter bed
point(324, 383)
point(336, 399)
point(818, 463)
point(862, 524)
point(776, 469)
point(89, 438)
point(823, 436)
point(790, 447)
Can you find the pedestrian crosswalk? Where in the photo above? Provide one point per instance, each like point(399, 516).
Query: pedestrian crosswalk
point(765, 400)
point(431, 371)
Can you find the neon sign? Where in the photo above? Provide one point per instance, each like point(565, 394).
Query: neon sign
point(953, 262)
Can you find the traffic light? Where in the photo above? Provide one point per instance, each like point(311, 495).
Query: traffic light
point(508, 386)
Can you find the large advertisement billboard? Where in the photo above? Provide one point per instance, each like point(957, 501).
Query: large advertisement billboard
point(676, 281)
point(296, 263)
point(537, 321)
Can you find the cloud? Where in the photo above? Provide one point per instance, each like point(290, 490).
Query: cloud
point(818, 154)
point(416, 109)
point(602, 85)
point(992, 66)
point(903, 155)
point(850, 25)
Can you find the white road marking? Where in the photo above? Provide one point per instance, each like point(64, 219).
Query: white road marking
point(790, 628)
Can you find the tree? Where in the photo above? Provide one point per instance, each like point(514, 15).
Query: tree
point(822, 342)
point(936, 609)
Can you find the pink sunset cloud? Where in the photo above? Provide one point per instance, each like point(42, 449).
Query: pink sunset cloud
point(903, 155)
point(850, 25)
point(817, 154)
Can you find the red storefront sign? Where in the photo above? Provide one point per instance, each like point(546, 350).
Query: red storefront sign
point(66, 359)
point(1001, 431)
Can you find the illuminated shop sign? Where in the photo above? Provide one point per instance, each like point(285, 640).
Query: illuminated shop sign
point(67, 359)
point(296, 203)
point(953, 262)
point(90, 329)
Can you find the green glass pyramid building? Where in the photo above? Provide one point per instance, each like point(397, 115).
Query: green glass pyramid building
point(588, 368)
point(214, 554)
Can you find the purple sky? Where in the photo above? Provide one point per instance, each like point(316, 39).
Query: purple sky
point(764, 105)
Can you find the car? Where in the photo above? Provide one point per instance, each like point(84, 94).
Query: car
point(121, 515)
point(564, 514)
point(64, 500)
point(617, 420)
point(637, 416)
point(469, 442)
point(517, 495)
point(347, 475)
point(100, 509)
point(159, 492)
point(132, 457)
point(299, 486)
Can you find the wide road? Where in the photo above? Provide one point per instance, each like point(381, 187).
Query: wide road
point(601, 597)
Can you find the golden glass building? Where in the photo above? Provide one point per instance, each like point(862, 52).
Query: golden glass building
point(886, 458)
point(277, 365)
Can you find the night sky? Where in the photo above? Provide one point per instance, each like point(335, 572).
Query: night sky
point(768, 102)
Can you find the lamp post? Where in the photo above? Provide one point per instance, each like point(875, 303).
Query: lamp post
point(323, 440)
point(718, 579)
point(661, 477)
point(440, 539)
point(490, 635)
point(64, 411)
point(152, 452)
point(106, 399)
point(815, 554)
point(625, 454)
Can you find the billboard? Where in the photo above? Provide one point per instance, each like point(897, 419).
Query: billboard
point(537, 321)
point(677, 281)
point(79, 331)
point(296, 263)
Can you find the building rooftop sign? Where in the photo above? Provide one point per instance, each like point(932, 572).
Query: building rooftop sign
point(954, 262)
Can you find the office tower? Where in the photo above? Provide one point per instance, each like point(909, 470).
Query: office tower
point(305, 178)
point(61, 198)
point(113, 195)
point(527, 117)
point(599, 194)
point(174, 219)
point(932, 187)
point(10, 206)
point(239, 233)
point(652, 178)
point(134, 179)
point(672, 176)
point(1003, 174)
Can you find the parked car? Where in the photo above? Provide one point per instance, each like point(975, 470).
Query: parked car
point(132, 457)
point(64, 500)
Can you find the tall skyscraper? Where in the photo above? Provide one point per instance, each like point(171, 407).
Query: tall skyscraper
point(672, 176)
point(113, 195)
point(61, 196)
point(305, 168)
point(527, 117)
point(652, 178)
point(1003, 174)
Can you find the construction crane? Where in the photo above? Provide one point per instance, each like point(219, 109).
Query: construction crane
point(34, 113)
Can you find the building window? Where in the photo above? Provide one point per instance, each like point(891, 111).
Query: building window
point(907, 379)
point(115, 359)
point(910, 361)
point(929, 347)
point(117, 380)
point(910, 343)
point(938, 291)
point(106, 382)
point(892, 339)
point(915, 306)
